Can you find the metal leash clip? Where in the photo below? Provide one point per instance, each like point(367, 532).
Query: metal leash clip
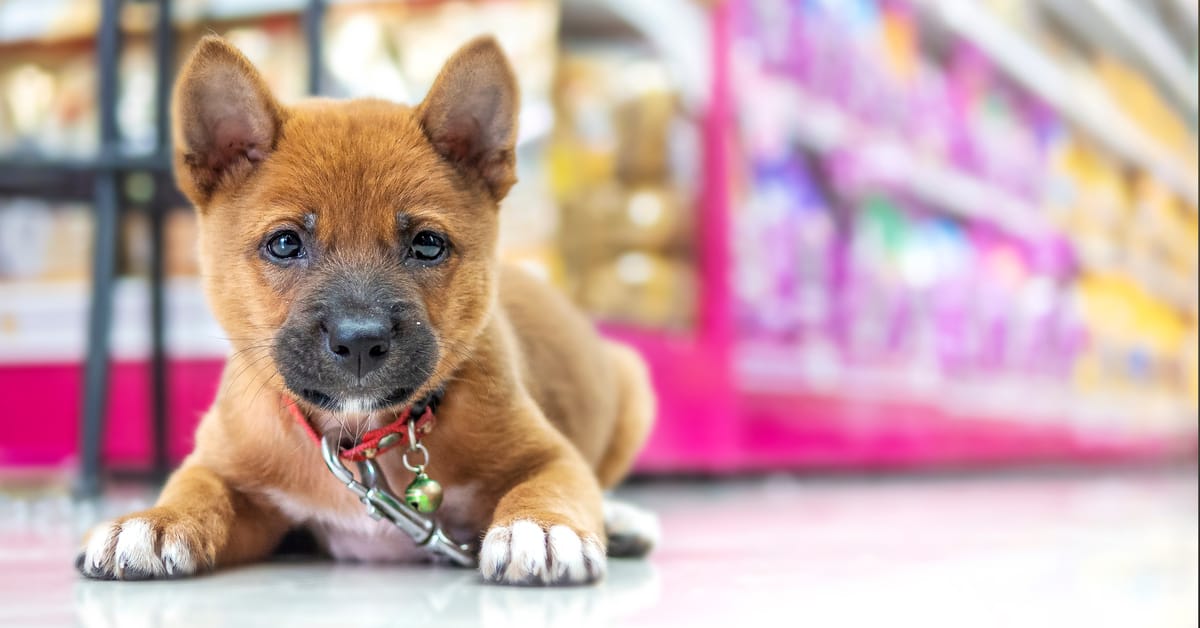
point(382, 504)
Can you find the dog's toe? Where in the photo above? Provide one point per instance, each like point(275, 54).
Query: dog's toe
point(631, 531)
point(98, 559)
point(524, 552)
point(135, 555)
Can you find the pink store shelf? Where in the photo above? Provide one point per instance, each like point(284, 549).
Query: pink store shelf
point(697, 431)
point(42, 409)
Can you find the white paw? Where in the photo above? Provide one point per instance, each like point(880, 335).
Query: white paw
point(136, 549)
point(631, 530)
point(525, 553)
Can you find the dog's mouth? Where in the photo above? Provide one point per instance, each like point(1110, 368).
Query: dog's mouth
point(353, 405)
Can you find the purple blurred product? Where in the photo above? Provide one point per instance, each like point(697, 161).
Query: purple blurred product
point(783, 287)
point(1011, 141)
point(797, 62)
point(931, 107)
point(1056, 261)
point(833, 66)
point(767, 27)
point(966, 73)
point(1005, 271)
point(1046, 132)
point(948, 304)
point(813, 258)
point(873, 295)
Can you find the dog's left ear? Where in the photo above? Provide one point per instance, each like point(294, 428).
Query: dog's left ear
point(470, 114)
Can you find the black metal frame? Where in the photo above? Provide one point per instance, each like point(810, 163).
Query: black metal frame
point(107, 200)
point(102, 179)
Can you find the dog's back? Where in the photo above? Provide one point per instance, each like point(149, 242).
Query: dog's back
point(572, 373)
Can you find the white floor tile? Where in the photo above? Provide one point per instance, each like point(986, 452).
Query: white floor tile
point(1037, 550)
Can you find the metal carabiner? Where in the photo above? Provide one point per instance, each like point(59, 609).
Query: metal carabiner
point(329, 453)
point(382, 504)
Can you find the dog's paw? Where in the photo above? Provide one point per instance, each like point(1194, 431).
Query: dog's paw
point(524, 552)
point(148, 545)
point(631, 530)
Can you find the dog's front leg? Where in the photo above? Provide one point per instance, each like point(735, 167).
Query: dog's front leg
point(200, 522)
point(549, 527)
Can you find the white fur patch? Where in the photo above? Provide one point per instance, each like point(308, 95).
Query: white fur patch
point(527, 553)
point(177, 557)
point(126, 551)
point(631, 523)
point(493, 554)
point(357, 406)
point(565, 555)
point(524, 553)
point(135, 551)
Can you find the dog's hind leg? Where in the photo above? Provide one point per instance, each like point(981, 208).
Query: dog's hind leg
point(635, 415)
point(631, 531)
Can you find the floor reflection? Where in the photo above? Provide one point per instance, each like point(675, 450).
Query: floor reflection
point(1095, 549)
point(326, 594)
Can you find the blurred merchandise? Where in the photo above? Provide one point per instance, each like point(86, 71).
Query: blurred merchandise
point(180, 241)
point(871, 282)
point(48, 102)
point(40, 241)
point(622, 170)
point(844, 234)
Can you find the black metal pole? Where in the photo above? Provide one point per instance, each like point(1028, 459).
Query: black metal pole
point(163, 54)
point(104, 254)
point(158, 360)
point(314, 15)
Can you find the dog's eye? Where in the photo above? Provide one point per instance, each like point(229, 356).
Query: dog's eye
point(285, 245)
point(427, 247)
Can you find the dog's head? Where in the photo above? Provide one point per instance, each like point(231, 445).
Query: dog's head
point(348, 247)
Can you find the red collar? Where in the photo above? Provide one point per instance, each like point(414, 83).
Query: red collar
point(376, 441)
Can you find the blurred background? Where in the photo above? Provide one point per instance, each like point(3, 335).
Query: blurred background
point(862, 234)
point(887, 244)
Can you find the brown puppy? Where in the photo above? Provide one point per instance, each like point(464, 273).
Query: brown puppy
point(349, 250)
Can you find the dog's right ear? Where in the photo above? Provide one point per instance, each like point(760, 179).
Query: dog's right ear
point(225, 120)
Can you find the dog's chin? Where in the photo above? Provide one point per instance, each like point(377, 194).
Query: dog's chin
point(354, 404)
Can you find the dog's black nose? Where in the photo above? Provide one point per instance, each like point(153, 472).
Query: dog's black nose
point(360, 343)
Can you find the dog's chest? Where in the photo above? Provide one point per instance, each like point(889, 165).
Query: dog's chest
point(349, 534)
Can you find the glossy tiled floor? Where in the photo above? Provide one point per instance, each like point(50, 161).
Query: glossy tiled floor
point(1077, 549)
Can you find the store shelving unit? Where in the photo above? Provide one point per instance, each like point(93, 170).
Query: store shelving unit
point(1148, 45)
point(826, 414)
point(1036, 71)
point(100, 180)
point(725, 403)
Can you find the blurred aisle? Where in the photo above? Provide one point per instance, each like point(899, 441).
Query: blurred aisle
point(876, 233)
point(1070, 549)
point(863, 235)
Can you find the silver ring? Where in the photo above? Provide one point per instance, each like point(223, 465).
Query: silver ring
point(424, 452)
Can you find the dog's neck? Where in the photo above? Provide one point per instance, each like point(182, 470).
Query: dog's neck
point(350, 424)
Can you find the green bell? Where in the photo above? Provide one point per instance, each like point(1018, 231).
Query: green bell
point(423, 494)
